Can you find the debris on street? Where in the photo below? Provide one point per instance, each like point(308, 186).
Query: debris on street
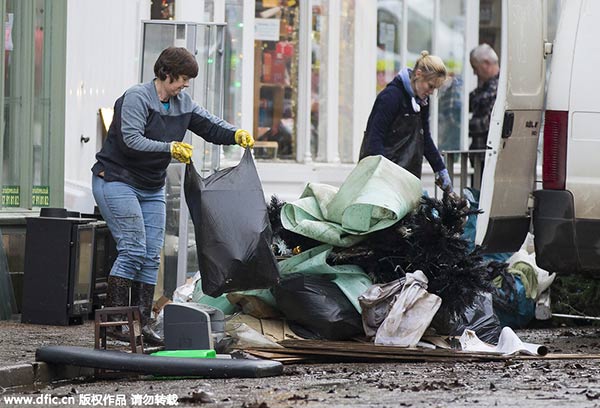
point(363, 268)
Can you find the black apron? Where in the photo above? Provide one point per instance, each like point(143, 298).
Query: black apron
point(403, 143)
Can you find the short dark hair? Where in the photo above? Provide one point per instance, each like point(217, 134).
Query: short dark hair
point(175, 61)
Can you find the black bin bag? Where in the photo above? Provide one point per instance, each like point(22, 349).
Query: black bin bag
point(316, 308)
point(233, 233)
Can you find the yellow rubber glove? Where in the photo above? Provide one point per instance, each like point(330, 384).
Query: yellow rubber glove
point(244, 138)
point(181, 151)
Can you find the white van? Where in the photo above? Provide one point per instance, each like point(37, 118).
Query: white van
point(565, 211)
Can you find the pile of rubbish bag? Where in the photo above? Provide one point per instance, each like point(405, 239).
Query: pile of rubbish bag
point(373, 258)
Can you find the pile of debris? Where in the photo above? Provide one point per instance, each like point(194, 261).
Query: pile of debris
point(374, 261)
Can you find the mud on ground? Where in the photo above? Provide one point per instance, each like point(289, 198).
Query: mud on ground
point(513, 383)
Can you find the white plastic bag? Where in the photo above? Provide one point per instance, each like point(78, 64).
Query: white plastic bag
point(183, 293)
point(376, 303)
point(508, 344)
point(411, 313)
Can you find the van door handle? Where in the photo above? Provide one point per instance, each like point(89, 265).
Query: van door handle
point(507, 126)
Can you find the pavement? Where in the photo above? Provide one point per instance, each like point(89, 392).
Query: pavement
point(19, 341)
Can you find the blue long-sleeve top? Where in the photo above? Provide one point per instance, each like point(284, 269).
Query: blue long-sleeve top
point(137, 149)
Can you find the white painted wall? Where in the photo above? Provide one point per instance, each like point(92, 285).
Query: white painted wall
point(103, 49)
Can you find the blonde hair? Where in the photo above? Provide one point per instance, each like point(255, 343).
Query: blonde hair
point(432, 67)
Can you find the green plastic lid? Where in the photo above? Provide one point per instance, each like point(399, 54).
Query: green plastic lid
point(186, 353)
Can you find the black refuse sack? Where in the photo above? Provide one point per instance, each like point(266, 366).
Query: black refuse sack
point(233, 233)
point(316, 308)
point(479, 317)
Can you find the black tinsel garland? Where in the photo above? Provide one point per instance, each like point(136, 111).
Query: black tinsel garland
point(429, 239)
point(285, 241)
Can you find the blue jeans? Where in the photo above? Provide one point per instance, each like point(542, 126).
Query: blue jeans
point(136, 218)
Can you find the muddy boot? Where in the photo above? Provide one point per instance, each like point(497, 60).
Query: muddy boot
point(142, 295)
point(117, 295)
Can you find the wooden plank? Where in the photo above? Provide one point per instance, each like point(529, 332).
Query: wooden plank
point(268, 354)
point(378, 356)
point(280, 358)
point(283, 358)
point(370, 350)
point(381, 349)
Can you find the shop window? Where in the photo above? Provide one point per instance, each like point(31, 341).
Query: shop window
point(162, 10)
point(420, 29)
point(322, 26)
point(275, 78)
point(389, 29)
point(316, 58)
point(13, 108)
point(490, 12)
point(395, 52)
point(346, 78)
point(41, 99)
point(234, 57)
point(450, 48)
point(32, 112)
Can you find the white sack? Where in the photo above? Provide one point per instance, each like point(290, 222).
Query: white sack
point(376, 303)
point(411, 313)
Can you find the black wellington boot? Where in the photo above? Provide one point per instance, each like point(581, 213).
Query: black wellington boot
point(117, 295)
point(142, 295)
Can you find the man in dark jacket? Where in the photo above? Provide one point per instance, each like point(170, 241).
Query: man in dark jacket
point(481, 100)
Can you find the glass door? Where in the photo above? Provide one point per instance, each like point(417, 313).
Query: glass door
point(32, 104)
point(206, 41)
point(17, 88)
point(451, 48)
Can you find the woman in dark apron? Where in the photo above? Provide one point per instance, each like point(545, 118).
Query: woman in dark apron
point(398, 127)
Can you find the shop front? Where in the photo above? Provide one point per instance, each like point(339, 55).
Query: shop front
point(316, 66)
point(302, 75)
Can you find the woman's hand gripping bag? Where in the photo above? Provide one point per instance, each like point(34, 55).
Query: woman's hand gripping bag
point(233, 232)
